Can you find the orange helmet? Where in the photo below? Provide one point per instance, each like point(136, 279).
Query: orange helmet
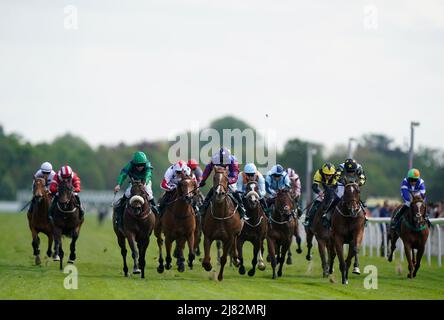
point(192, 164)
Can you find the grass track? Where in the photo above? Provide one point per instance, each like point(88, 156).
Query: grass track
point(100, 274)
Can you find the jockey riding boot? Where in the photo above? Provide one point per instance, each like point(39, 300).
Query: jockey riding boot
point(330, 207)
point(397, 218)
point(310, 214)
point(238, 198)
point(154, 206)
point(119, 210)
point(51, 208)
point(31, 205)
point(81, 210)
point(207, 200)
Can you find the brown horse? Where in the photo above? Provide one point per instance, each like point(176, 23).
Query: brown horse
point(323, 238)
point(280, 230)
point(137, 225)
point(66, 221)
point(38, 218)
point(254, 230)
point(347, 226)
point(178, 223)
point(221, 222)
point(414, 233)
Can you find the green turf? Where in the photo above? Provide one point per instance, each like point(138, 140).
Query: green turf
point(100, 274)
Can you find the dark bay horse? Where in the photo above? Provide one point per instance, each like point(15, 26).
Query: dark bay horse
point(323, 238)
point(66, 221)
point(414, 233)
point(280, 230)
point(221, 222)
point(137, 225)
point(254, 230)
point(347, 227)
point(38, 218)
point(178, 223)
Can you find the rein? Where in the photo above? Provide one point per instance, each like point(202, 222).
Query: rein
point(181, 197)
point(223, 218)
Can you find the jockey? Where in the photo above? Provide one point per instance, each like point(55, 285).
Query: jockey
point(295, 183)
point(172, 177)
point(46, 173)
point(412, 184)
point(195, 170)
point(324, 186)
point(139, 168)
point(224, 158)
point(277, 178)
point(66, 174)
point(251, 173)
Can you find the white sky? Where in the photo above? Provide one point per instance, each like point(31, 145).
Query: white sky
point(136, 70)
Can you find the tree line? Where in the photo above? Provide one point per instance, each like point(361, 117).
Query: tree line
point(385, 163)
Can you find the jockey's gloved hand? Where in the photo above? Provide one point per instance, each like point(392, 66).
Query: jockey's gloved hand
point(202, 184)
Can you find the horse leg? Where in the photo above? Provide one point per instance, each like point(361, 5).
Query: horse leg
point(206, 264)
point(234, 253)
point(289, 259)
point(408, 254)
point(61, 254)
point(158, 234)
point(180, 244)
point(36, 246)
point(240, 245)
point(342, 266)
point(261, 264)
point(50, 242)
point(191, 252)
point(309, 244)
point(393, 238)
point(413, 257)
point(168, 246)
point(219, 247)
point(123, 252)
point(256, 250)
point(134, 253)
point(223, 260)
point(356, 247)
point(419, 255)
point(331, 255)
point(272, 254)
point(72, 247)
point(57, 243)
point(284, 248)
point(321, 248)
point(298, 242)
point(142, 254)
point(351, 254)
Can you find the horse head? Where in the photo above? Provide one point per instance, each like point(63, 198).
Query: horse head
point(220, 183)
point(66, 192)
point(351, 198)
point(418, 210)
point(138, 197)
point(39, 188)
point(284, 203)
point(252, 195)
point(186, 189)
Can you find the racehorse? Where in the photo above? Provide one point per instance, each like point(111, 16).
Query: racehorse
point(280, 230)
point(323, 237)
point(414, 233)
point(137, 225)
point(66, 221)
point(347, 226)
point(221, 222)
point(38, 218)
point(254, 230)
point(297, 233)
point(178, 223)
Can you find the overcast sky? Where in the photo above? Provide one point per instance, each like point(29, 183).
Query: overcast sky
point(136, 70)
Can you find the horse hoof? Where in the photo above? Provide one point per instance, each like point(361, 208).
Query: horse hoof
point(168, 266)
point(289, 261)
point(308, 258)
point(56, 258)
point(207, 266)
point(38, 261)
point(181, 268)
point(220, 277)
point(160, 269)
point(137, 271)
point(356, 270)
point(241, 270)
point(261, 266)
point(71, 261)
point(251, 273)
point(299, 251)
point(190, 265)
point(279, 274)
point(268, 258)
point(274, 277)
point(325, 274)
point(49, 254)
